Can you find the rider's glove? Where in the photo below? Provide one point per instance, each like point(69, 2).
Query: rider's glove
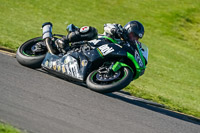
point(120, 32)
point(117, 31)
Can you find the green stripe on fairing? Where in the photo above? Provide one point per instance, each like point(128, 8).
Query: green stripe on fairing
point(132, 58)
point(99, 53)
point(143, 61)
point(138, 68)
point(114, 41)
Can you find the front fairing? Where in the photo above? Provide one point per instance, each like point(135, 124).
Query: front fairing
point(115, 52)
point(145, 51)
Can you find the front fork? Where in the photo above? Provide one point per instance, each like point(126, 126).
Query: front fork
point(113, 68)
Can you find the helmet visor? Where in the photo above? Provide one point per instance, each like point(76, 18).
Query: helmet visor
point(132, 36)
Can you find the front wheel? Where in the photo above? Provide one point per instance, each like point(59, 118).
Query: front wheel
point(104, 83)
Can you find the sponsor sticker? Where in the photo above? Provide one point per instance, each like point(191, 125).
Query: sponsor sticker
point(84, 63)
point(58, 67)
point(54, 65)
point(84, 29)
point(66, 61)
point(50, 64)
point(63, 69)
point(105, 49)
point(46, 63)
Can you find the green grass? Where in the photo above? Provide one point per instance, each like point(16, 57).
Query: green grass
point(5, 128)
point(172, 30)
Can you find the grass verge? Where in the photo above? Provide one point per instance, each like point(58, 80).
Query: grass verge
point(5, 128)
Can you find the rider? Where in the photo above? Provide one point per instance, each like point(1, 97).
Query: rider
point(133, 31)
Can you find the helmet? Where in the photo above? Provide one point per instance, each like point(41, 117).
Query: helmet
point(135, 27)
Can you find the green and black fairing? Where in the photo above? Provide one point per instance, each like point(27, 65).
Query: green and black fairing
point(77, 65)
point(122, 55)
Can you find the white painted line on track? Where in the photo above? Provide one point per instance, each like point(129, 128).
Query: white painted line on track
point(7, 53)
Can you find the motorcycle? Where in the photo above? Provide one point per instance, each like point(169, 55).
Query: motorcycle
point(103, 68)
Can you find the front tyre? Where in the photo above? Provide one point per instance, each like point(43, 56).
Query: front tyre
point(26, 57)
point(125, 76)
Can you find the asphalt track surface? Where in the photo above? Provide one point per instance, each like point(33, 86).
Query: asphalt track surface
point(41, 103)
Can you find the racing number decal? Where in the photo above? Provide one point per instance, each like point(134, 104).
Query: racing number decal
point(105, 49)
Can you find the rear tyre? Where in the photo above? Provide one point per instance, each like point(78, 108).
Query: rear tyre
point(125, 77)
point(26, 57)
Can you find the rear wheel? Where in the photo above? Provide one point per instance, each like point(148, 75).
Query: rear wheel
point(105, 82)
point(28, 54)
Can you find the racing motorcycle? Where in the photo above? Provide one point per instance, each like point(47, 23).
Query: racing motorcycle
point(103, 68)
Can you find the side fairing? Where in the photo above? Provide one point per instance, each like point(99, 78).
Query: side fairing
point(105, 51)
point(111, 50)
point(66, 65)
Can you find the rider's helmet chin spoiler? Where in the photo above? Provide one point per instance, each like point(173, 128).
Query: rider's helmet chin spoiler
point(47, 30)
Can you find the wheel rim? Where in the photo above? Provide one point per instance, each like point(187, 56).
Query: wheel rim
point(119, 76)
point(107, 78)
point(27, 49)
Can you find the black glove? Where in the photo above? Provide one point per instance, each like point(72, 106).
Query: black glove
point(117, 31)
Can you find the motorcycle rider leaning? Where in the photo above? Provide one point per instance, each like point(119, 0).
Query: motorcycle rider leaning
point(132, 31)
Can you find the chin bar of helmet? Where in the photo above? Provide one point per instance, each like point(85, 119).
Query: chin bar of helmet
point(47, 35)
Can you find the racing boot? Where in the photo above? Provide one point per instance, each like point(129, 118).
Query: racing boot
point(62, 45)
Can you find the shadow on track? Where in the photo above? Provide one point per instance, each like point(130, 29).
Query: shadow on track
point(155, 108)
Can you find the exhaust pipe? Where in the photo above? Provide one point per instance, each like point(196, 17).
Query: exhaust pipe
point(47, 34)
